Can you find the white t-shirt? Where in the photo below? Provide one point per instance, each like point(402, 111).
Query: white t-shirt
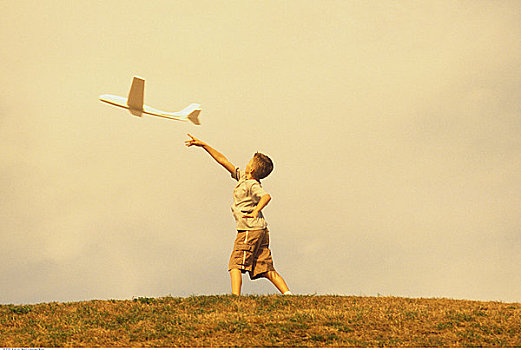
point(246, 196)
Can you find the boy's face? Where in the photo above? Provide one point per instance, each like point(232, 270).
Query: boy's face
point(250, 168)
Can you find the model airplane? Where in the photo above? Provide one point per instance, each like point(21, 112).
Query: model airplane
point(134, 103)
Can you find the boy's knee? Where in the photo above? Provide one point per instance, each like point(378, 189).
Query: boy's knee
point(270, 275)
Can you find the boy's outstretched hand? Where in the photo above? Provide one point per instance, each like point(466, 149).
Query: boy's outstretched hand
point(219, 157)
point(194, 142)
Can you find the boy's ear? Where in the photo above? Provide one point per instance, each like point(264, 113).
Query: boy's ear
point(253, 171)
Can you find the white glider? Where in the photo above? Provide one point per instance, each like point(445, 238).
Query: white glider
point(134, 103)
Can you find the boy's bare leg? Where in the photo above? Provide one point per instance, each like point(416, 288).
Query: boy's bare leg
point(236, 277)
point(277, 281)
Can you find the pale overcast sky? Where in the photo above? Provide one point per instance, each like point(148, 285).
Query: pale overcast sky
point(394, 127)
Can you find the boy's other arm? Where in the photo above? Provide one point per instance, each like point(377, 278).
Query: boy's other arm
point(218, 156)
point(262, 203)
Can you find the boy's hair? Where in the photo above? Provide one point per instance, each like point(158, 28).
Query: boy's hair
point(263, 165)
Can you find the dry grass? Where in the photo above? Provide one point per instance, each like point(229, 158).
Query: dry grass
point(263, 321)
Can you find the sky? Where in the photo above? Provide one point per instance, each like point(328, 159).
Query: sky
point(393, 127)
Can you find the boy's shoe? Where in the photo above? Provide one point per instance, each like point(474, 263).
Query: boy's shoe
point(288, 293)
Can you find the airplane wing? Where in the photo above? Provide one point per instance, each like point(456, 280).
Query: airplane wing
point(136, 95)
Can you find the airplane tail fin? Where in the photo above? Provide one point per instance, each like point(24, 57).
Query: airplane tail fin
point(194, 117)
point(192, 113)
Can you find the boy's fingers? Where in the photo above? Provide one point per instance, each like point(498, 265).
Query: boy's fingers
point(190, 142)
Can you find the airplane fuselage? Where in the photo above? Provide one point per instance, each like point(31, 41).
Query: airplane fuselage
point(121, 102)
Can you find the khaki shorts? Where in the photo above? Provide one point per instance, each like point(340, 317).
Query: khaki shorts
point(251, 253)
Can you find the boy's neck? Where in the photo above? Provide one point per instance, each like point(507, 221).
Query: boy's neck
point(249, 176)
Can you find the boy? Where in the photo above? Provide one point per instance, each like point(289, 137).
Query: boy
point(251, 251)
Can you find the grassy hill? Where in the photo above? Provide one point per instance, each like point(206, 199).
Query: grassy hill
point(263, 321)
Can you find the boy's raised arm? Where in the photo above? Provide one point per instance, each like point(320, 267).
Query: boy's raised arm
point(218, 156)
